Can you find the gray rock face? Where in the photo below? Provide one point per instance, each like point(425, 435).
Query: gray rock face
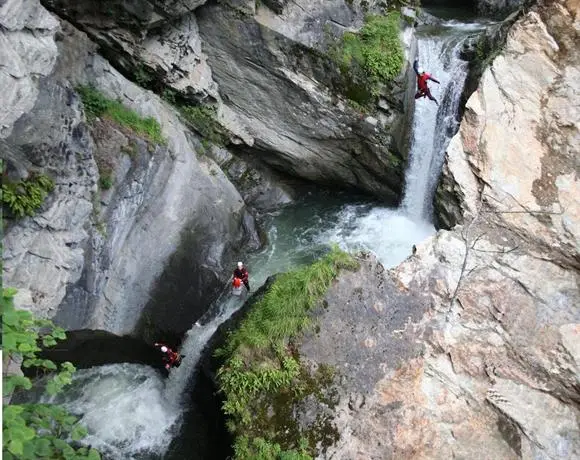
point(131, 15)
point(106, 251)
point(499, 7)
point(518, 142)
point(285, 114)
point(294, 123)
point(260, 188)
point(152, 41)
point(439, 360)
point(27, 52)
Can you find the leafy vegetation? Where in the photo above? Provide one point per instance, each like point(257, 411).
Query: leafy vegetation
point(260, 365)
point(370, 57)
point(106, 181)
point(203, 119)
point(97, 105)
point(25, 197)
point(260, 449)
point(34, 431)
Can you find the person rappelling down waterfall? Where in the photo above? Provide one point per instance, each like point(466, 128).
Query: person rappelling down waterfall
point(422, 88)
point(170, 358)
point(241, 274)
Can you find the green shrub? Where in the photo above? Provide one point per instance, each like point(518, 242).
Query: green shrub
point(106, 182)
point(97, 105)
point(203, 120)
point(25, 197)
point(370, 57)
point(33, 431)
point(257, 357)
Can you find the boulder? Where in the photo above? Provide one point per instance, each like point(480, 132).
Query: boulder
point(88, 348)
point(439, 359)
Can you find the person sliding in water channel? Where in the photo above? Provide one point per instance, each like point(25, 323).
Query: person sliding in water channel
point(422, 77)
point(170, 358)
point(242, 274)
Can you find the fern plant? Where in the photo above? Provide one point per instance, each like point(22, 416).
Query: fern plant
point(25, 197)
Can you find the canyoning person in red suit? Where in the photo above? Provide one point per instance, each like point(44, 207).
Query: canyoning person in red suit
point(422, 88)
point(170, 357)
point(242, 274)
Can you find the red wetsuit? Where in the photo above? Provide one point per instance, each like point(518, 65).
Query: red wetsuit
point(243, 275)
point(423, 89)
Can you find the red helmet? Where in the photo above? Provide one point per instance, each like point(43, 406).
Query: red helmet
point(237, 282)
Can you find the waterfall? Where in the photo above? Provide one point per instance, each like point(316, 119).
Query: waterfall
point(433, 126)
point(107, 397)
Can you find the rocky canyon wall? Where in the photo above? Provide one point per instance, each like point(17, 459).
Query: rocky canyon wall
point(100, 252)
point(266, 70)
point(93, 254)
point(488, 358)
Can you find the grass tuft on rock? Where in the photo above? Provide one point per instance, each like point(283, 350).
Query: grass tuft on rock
point(261, 366)
point(370, 57)
point(283, 312)
point(97, 105)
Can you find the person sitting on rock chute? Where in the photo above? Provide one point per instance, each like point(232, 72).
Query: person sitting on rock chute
point(242, 274)
point(170, 357)
point(422, 78)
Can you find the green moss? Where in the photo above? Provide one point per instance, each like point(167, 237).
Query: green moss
point(370, 57)
point(131, 149)
point(262, 377)
point(203, 120)
point(25, 197)
point(97, 105)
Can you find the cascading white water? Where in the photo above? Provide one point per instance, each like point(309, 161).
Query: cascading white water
point(434, 125)
point(131, 410)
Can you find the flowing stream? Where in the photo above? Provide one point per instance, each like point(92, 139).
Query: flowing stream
point(132, 412)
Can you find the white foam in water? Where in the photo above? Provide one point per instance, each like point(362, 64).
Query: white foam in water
point(123, 407)
point(389, 233)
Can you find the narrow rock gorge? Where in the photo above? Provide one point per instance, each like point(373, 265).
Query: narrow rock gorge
point(172, 138)
point(471, 345)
